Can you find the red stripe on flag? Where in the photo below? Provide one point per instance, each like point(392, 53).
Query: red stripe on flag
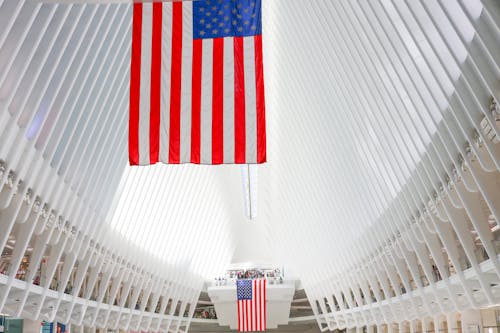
point(218, 102)
point(238, 305)
point(196, 101)
point(135, 86)
point(261, 107)
point(259, 305)
point(175, 85)
point(239, 102)
point(154, 130)
point(241, 316)
point(257, 308)
point(254, 302)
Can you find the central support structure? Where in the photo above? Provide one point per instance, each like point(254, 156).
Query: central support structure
point(279, 299)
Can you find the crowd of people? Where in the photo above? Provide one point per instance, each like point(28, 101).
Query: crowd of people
point(272, 275)
point(205, 313)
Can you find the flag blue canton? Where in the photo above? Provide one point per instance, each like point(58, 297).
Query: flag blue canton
point(226, 18)
point(244, 289)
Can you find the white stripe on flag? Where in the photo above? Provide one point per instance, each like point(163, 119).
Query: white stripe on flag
point(252, 314)
point(256, 306)
point(250, 100)
point(166, 55)
point(145, 96)
point(248, 314)
point(206, 103)
point(239, 315)
point(243, 316)
point(256, 302)
point(228, 117)
point(261, 285)
point(187, 82)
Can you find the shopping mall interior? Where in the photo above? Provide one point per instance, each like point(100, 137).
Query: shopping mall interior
point(377, 209)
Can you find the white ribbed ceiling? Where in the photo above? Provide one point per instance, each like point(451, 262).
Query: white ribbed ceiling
point(369, 104)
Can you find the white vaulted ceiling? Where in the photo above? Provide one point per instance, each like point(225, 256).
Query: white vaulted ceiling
point(375, 111)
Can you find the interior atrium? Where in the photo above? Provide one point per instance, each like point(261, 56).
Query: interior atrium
point(377, 210)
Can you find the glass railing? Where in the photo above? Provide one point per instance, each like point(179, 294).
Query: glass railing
point(232, 281)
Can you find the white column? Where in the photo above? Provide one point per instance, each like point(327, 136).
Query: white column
point(452, 322)
point(413, 326)
point(438, 324)
point(402, 327)
point(471, 321)
point(426, 325)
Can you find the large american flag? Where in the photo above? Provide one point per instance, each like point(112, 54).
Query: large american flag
point(251, 305)
point(197, 83)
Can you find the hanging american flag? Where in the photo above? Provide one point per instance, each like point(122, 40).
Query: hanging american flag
point(197, 83)
point(251, 305)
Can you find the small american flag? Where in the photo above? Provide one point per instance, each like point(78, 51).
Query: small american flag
point(197, 83)
point(251, 305)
